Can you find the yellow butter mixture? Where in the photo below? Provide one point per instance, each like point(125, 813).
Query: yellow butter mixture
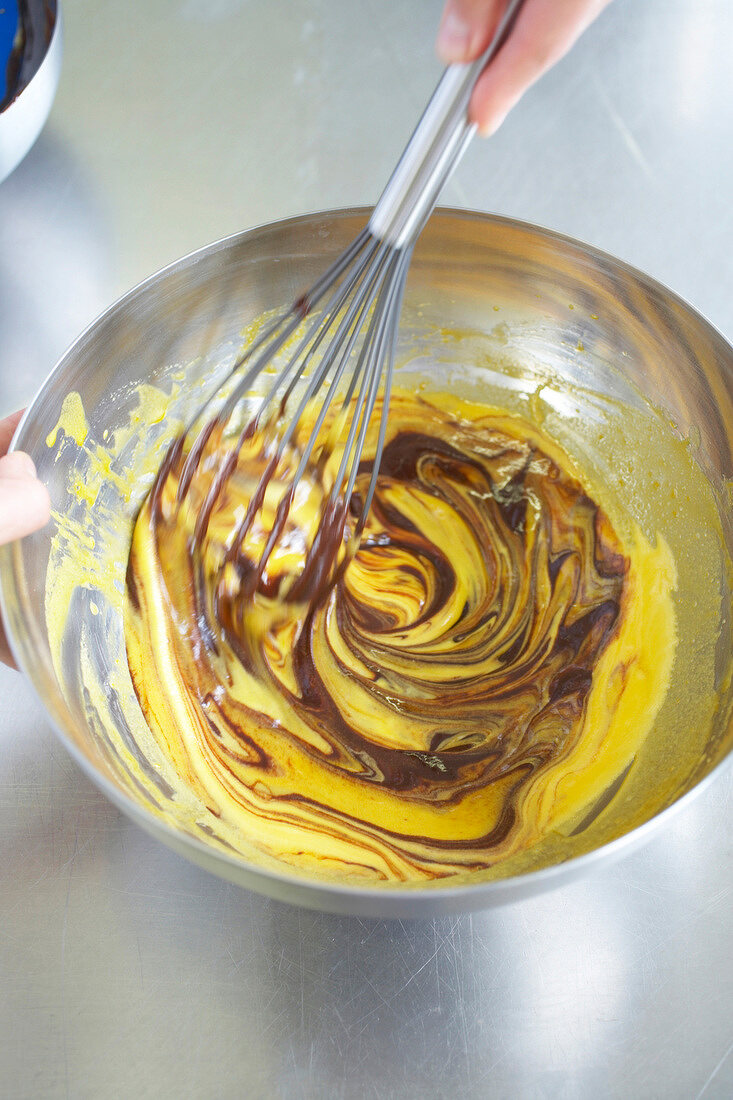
point(484, 671)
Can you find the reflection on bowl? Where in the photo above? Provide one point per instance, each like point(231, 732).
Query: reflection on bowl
point(633, 383)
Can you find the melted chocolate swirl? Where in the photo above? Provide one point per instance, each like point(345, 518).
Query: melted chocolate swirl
point(397, 726)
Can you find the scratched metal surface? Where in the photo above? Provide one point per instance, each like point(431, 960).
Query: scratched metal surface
point(124, 971)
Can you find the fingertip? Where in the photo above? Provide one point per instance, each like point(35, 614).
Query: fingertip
point(8, 426)
point(28, 462)
point(25, 506)
point(499, 88)
point(17, 464)
point(487, 117)
point(466, 28)
point(42, 503)
point(455, 37)
point(39, 504)
point(488, 108)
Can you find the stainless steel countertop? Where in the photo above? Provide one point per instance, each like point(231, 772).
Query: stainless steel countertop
point(124, 970)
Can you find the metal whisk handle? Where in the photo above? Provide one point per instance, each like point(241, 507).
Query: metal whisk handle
point(435, 148)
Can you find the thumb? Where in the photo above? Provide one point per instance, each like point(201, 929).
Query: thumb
point(467, 27)
point(24, 501)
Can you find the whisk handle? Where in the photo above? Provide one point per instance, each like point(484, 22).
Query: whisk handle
point(435, 148)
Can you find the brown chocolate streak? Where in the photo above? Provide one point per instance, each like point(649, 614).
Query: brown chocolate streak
point(474, 756)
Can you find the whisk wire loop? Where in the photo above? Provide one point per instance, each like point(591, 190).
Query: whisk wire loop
point(365, 314)
point(345, 348)
point(346, 310)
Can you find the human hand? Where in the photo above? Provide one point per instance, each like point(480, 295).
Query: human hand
point(24, 502)
point(543, 32)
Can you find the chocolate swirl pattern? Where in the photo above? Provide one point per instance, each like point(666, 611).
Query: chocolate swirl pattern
point(443, 705)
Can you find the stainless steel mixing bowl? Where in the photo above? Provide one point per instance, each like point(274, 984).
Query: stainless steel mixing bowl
point(551, 323)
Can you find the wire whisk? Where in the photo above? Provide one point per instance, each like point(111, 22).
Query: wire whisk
point(329, 359)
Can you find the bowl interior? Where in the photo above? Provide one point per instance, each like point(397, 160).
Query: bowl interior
point(633, 382)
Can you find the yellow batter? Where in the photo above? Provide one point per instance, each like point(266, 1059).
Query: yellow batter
point(484, 671)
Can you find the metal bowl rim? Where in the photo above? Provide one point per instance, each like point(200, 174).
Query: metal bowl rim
point(467, 894)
